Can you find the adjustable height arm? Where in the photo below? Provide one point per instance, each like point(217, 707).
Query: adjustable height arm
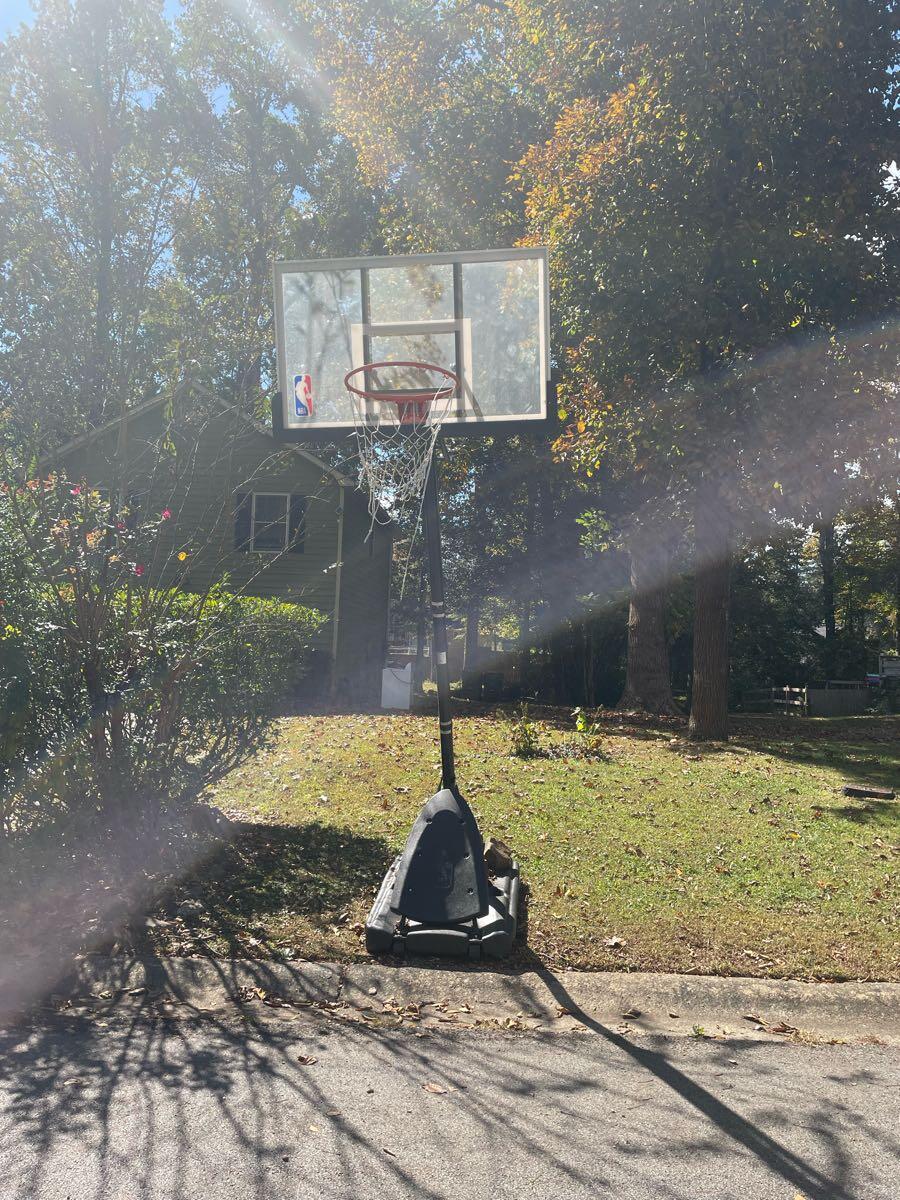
point(439, 625)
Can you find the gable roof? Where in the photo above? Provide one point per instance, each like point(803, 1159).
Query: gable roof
point(92, 435)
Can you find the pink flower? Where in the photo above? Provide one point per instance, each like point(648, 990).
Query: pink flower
point(138, 569)
point(166, 513)
point(76, 490)
point(120, 524)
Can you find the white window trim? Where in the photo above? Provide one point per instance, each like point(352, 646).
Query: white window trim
point(286, 496)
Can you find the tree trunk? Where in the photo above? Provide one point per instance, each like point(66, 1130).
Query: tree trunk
point(825, 530)
point(587, 666)
point(103, 762)
point(712, 586)
point(528, 576)
point(524, 615)
point(647, 682)
point(419, 668)
point(97, 376)
point(473, 619)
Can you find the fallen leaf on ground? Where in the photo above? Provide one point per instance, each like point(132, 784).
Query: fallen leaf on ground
point(306, 1060)
point(434, 1088)
point(782, 1027)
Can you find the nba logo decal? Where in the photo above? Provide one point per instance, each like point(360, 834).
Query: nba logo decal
point(303, 401)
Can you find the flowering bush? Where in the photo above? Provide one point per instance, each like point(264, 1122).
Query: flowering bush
point(116, 694)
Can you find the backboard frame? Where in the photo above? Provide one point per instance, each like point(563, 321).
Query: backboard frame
point(465, 424)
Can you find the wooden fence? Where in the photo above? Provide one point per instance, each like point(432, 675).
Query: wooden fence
point(838, 698)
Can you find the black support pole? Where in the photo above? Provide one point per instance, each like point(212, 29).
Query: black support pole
point(439, 625)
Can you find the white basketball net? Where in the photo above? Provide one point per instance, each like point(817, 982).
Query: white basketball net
point(395, 443)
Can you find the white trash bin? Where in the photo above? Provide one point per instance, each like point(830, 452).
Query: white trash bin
point(396, 687)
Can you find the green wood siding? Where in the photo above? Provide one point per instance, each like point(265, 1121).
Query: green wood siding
point(198, 478)
point(365, 588)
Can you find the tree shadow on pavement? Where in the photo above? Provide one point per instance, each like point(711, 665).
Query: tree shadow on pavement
point(811, 1182)
point(131, 1093)
point(159, 1106)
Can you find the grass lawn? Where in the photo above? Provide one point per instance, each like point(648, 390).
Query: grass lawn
point(743, 859)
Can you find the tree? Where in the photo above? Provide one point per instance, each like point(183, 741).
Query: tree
point(150, 172)
point(776, 613)
point(93, 141)
point(866, 586)
point(431, 96)
point(825, 544)
point(648, 685)
point(272, 181)
point(713, 209)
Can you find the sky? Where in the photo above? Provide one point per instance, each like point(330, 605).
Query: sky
point(14, 12)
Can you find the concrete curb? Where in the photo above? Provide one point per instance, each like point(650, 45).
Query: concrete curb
point(652, 1003)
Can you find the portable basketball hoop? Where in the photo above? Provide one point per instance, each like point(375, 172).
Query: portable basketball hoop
point(397, 427)
point(392, 350)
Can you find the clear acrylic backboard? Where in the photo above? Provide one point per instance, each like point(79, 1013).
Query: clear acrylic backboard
point(482, 314)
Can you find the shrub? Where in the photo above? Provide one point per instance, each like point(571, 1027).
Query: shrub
point(525, 743)
point(115, 695)
point(589, 741)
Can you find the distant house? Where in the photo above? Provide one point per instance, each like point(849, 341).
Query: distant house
point(269, 519)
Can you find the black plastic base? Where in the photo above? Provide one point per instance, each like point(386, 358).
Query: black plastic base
point(490, 936)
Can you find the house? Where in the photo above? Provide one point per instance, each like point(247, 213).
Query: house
point(265, 518)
